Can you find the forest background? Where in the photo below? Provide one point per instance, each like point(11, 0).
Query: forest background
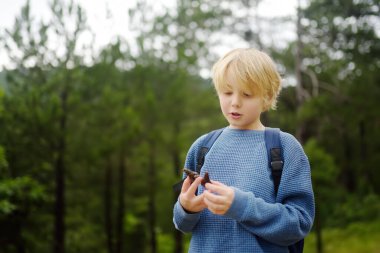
point(91, 146)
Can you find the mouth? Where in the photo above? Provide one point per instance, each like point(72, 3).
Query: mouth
point(235, 115)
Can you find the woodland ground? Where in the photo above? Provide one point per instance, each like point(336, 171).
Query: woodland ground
point(355, 238)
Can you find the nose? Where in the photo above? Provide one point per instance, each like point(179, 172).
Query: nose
point(236, 100)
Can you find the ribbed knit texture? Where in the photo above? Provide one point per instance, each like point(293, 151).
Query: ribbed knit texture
point(257, 221)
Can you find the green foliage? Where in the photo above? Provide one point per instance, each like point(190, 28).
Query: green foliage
point(17, 195)
point(180, 35)
point(20, 195)
point(83, 235)
point(3, 163)
point(165, 242)
point(354, 208)
point(324, 170)
point(1, 100)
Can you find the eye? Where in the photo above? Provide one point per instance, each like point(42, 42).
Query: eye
point(245, 94)
point(227, 93)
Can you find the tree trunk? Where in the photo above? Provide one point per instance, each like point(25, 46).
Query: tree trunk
point(152, 197)
point(121, 205)
point(59, 229)
point(318, 227)
point(348, 172)
point(298, 72)
point(178, 236)
point(364, 156)
point(108, 207)
point(178, 240)
point(20, 245)
point(301, 126)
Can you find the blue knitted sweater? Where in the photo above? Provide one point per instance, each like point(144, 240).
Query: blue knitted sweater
point(257, 221)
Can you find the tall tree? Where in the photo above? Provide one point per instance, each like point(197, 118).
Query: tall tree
point(41, 71)
point(180, 37)
point(331, 71)
point(329, 54)
point(344, 35)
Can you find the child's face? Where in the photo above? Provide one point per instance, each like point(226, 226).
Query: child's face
point(242, 108)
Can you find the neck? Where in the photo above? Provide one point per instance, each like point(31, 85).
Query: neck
point(258, 127)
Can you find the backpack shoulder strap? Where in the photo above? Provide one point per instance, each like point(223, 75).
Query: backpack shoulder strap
point(276, 163)
point(206, 145)
point(274, 151)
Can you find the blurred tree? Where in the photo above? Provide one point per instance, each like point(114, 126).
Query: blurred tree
point(335, 61)
point(324, 174)
point(180, 35)
point(19, 199)
point(341, 59)
point(180, 38)
point(37, 102)
point(338, 63)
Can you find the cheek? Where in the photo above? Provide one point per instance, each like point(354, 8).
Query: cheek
point(257, 106)
point(222, 100)
point(223, 104)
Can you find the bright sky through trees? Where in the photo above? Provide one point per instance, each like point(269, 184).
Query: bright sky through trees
point(109, 18)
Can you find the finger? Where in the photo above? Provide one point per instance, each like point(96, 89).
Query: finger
point(199, 200)
point(214, 208)
point(217, 188)
point(198, 206)
point(217, 183)
point(216, 199)
point(185, 185)
point(194, 186)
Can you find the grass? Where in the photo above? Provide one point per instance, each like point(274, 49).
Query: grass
point(355, 238)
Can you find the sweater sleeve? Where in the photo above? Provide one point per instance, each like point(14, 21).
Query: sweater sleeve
point(291, 217)
point(183, 220)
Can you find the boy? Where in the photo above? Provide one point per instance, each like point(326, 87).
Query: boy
point(239, 210)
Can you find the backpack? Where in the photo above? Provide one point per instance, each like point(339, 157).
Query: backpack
point(275, 162)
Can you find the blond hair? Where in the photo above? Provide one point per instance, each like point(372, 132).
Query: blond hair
point(253, 70)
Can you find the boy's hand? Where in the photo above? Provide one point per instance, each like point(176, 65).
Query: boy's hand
point(218, 197)
point(187, 198)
